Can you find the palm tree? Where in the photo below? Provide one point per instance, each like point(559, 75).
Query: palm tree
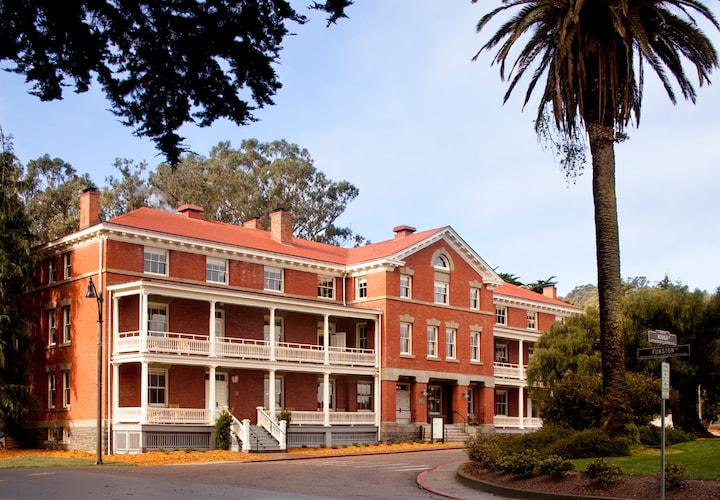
point(591, 55)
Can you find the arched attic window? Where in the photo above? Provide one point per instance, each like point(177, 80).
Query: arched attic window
point(441, 262)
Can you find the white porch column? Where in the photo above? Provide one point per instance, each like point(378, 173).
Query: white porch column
point(326, 338)
point(272, 334)
point(376, 345)
point(326, 396)
point(143, 318)
point(376, 399)
point(143, 391)
point(521, 361)
point(521, 400)
point(529, 408)
point(116, 316)
point(115, 390)
point(211, 393)
point(212, 333)
point(271, 395)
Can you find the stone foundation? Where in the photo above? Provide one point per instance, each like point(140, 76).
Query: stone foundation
point(67, 435)
point(390, 431)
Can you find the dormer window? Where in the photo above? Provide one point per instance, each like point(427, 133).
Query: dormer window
point(441, 262)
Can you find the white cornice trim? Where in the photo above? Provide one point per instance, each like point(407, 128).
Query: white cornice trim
point(532, 305)
point(508, 332)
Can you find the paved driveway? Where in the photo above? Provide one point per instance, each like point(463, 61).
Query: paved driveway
point(377, 476)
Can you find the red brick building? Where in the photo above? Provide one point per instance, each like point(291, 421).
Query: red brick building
point(366, 343)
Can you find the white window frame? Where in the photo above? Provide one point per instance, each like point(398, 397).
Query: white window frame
point(325, 291)
point(269, 278)
point(442, 289)
point(52, 389)
point(530, 352)
point(532, 320)
point(158, 372)
point(475, 346)
point(360, 329)
point(149, 262)
point(432, 340)
point(501, 312)
point(502, 406)
point(474, 298)
point(443, 258)
point(219, 267)
point(361, 287)
point(67, 266)
point(52, 327)
point(451, 347)
point(370, 396)
point(52, 270)
point(66, 389)
point(159, 307)
point(406, 288)
point(406, 339)
point(66, 324)
point(504, 348)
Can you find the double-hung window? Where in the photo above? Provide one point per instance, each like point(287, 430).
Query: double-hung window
point(532, 320)
point(501, 315)
point(52, 333)
point(406, 338)
point(405, 286)
point(450, 343)
point(157, 319)
point(51, 390)
point(216, 270)
point(326, 287)
point(51, 270)
point(501, 403)
point(365, 396)
point(155, 261)
point(66, 324)
point(67, 266)
point(475, 346)
point(157, 387)
point(474, 298)
point(501, 353)
point(66, 389)
point(432, 341)
point(441, 292)
point(362, 336)
point(362, 287)
point(273, 279)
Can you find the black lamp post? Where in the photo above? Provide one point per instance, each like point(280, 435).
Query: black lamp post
point(92, 293)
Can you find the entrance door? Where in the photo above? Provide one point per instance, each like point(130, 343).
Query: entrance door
point(221, 390)
point(402, 404)
point(337, 339)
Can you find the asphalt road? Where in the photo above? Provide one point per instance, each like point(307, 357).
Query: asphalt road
point(377, 476)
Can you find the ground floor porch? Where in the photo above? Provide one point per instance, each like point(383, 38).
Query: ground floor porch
point(514, 410)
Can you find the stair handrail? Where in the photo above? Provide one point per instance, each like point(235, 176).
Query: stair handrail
point(464, 418)
point(240, 429)
point(277, 430)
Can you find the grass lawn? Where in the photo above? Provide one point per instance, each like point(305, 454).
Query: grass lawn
point(701, 457)
point(41, 462)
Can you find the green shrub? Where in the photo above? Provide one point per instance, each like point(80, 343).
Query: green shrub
point(222, 431)
point(590, 443)
point(601, 472)
point(485, 450)
point(675, 476)
point(520, 464)
point(632, 433)
point(650, 436)
point(540, 440)
point(555, 466)
point(285, 415)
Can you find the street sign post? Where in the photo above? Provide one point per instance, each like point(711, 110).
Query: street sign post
point(662, 337)
point(666, 351)
point(665, 394)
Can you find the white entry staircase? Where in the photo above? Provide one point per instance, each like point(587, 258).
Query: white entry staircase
point(267, 436)
point(455, 433)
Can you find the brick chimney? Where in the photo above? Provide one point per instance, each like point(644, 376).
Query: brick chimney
point(281, 226)
point(254, 223)
point(89, 207)
point(550, 291)
point(191, 211)
point(403, 231)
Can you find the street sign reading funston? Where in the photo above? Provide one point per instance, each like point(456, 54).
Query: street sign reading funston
point(666, 351)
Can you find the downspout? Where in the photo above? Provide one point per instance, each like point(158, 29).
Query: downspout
point(343, 280)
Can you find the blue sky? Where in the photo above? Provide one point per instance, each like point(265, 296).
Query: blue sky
point(391, 101)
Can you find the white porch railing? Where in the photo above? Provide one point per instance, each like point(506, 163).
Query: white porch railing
point(242, 431)
point(178, 415)
point(336, 417)
point(127, 414)
point(239, 348)
point(514, 422)
point(277, 430)
point(509, 370)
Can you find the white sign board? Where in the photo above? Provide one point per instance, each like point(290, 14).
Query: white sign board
point(665, 380)
point(437, 428)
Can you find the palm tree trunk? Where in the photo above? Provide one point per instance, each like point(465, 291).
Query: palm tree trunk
point(615, 406)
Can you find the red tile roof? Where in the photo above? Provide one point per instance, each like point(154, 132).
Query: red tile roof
point(230, 234)
point(525, 294)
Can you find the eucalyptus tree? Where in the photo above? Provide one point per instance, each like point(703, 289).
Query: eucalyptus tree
point(588, 57)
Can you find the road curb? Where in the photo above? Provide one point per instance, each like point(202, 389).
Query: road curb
point(422, 483)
